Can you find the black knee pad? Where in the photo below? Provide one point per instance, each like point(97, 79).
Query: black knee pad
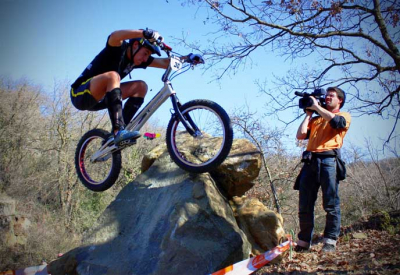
point(113, 96)
point(113, 99)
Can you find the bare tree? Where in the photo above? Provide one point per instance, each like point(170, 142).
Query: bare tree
point(372, 184)
point(20, 125)
point(354, 44)
point(274, 185)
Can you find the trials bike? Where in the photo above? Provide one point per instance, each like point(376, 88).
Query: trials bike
point(192, 128)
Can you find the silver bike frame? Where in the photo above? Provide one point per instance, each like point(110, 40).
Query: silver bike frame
point(144, 115)
point(140, 119)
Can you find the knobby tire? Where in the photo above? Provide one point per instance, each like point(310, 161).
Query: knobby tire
point(110, 168)
point(219, 117)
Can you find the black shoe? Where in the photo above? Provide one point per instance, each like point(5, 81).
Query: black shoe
point(301, 249)
point(328, 248)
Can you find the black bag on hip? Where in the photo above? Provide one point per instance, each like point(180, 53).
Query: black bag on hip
point(340, 169)
point(296, 185)
point(340, 166)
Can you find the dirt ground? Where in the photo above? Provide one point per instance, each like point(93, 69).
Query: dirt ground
point(358, 252)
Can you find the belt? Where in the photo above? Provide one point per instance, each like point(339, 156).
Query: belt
point(324, 154)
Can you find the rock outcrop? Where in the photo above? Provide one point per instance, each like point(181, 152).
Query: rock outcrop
point(169, 221)
point(235, 175)
point(263, 227)
point(13, 227)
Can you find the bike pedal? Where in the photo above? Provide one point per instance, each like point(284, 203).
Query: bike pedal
point(126, 143)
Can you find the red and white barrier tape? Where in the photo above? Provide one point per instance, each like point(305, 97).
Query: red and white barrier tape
point(248, 266)
point(244, 267)
point(33, 270)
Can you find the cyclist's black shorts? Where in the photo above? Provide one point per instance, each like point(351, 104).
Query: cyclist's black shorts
point(82, 98)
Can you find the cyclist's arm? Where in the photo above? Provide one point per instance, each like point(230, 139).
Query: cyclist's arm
point(117, 37)
point(161, 63)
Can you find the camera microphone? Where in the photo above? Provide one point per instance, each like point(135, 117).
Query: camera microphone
point(299, 93)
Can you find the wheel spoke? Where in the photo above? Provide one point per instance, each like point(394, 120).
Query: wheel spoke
point(200, 153)
point(98, 171)
point(101, 172)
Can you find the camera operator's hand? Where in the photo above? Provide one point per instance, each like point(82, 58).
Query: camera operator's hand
point(308, 112)
point(315, 104)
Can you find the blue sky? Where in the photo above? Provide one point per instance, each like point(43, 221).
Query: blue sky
point(46, 41)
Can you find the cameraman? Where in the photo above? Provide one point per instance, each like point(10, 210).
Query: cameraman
point(325, 133)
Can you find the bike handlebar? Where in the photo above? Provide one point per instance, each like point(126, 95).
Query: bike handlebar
point(196, 59)
point(165, 47)
point(162, 45)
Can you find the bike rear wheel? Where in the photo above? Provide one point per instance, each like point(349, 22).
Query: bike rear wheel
point(205, 152)
point(99, 175)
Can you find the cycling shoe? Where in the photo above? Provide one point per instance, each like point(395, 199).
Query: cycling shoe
point(125, 137)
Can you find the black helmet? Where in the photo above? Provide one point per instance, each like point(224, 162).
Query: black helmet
point(145, 43)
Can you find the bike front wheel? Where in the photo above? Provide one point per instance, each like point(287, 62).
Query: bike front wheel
point(209, 146)
point(101, 174)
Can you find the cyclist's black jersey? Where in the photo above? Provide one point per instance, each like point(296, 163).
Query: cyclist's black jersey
point(110, 59)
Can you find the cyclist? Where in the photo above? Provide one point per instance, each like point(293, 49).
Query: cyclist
point(99, 86)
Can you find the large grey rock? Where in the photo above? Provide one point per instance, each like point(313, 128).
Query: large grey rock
point(165, 222)
point(171, 222)
point(235, 175)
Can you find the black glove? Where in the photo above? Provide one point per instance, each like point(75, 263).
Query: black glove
point(151, 35)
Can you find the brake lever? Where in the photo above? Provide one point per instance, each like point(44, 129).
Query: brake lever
point(162, 45)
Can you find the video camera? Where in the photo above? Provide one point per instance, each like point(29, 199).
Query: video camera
point(306, 101)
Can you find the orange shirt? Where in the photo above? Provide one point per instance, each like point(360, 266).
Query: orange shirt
point(323, 137)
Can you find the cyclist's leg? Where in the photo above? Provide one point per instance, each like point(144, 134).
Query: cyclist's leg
point(106, 87)
point(135, 91)
point(103, 83)
point(137, 88)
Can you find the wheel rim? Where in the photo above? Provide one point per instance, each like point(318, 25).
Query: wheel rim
point(189, 149)
point(95, 173)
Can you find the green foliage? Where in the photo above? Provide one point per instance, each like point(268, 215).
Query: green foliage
point(131, 169)
point(346, 238)
point(89, 207)
point(132, 157)
point(389, 224)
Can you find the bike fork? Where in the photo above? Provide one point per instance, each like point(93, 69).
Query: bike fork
point(192, 129)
